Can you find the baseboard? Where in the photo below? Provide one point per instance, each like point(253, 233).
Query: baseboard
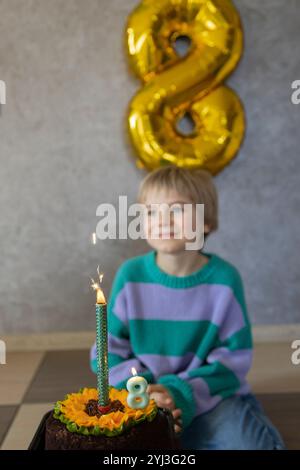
point(276, 333)
point(49, 341)
point(84, 339)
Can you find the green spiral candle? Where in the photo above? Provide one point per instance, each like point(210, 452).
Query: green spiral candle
point(102, 352)
point(101, 347)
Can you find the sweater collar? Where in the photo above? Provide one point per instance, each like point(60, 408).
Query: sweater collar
point(191, 280)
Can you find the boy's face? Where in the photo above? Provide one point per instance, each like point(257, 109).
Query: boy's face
point(165, 230)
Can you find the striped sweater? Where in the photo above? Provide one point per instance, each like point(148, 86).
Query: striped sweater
point(190, 334)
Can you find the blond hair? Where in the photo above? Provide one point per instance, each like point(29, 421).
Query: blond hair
point(197, 185)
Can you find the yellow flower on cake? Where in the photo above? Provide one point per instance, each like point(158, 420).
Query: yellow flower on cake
point(74, 410)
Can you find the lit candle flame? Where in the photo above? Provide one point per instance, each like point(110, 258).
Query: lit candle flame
point(97, 287)
point(133, 371)
point(94, 238)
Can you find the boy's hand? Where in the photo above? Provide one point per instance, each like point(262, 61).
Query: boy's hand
point(178, 421)
point(161, 395)
point(164, 400)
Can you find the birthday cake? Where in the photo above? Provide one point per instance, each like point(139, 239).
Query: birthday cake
point(105, 418)
point(76, 423)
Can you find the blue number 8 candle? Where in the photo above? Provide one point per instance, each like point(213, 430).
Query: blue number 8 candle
point(137, 397)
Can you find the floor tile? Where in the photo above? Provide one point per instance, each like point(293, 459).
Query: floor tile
point(7, 414)
point(60, 373)
point(284, 412)
point(273, 371)
point(24, 426)
point(16, 375)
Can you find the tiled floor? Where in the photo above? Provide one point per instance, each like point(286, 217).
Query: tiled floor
point(7, 414)
point(61, 372)
point(31, 382)
point(16, 375)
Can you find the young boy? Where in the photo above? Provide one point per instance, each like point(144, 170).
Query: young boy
point(180, 318)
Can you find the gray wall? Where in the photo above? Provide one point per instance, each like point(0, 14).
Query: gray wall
point(63, 151)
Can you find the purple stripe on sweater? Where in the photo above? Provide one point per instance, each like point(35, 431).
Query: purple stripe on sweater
point(119, 346)
point(93, 352)
point(239, 361)
point(194, 364)
point(204, 400)
point(244, 389)
point(122, 371)
point(163, 365)
point(212, 302)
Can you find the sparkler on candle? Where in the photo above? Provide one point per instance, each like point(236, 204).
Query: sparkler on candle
point(101, 345)
point(96, 286)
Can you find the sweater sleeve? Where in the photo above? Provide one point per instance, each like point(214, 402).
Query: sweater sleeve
point(222, 372)
point(120, 355)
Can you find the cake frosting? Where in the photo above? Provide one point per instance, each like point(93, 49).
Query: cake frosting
point(79, 412)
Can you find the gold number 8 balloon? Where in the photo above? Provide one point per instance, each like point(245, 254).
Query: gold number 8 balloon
point(185, 87)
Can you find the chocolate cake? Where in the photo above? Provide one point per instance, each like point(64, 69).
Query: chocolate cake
point(155, 435)
point(77, 424)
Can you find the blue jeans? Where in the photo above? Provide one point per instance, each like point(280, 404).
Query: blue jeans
point(236, 423)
